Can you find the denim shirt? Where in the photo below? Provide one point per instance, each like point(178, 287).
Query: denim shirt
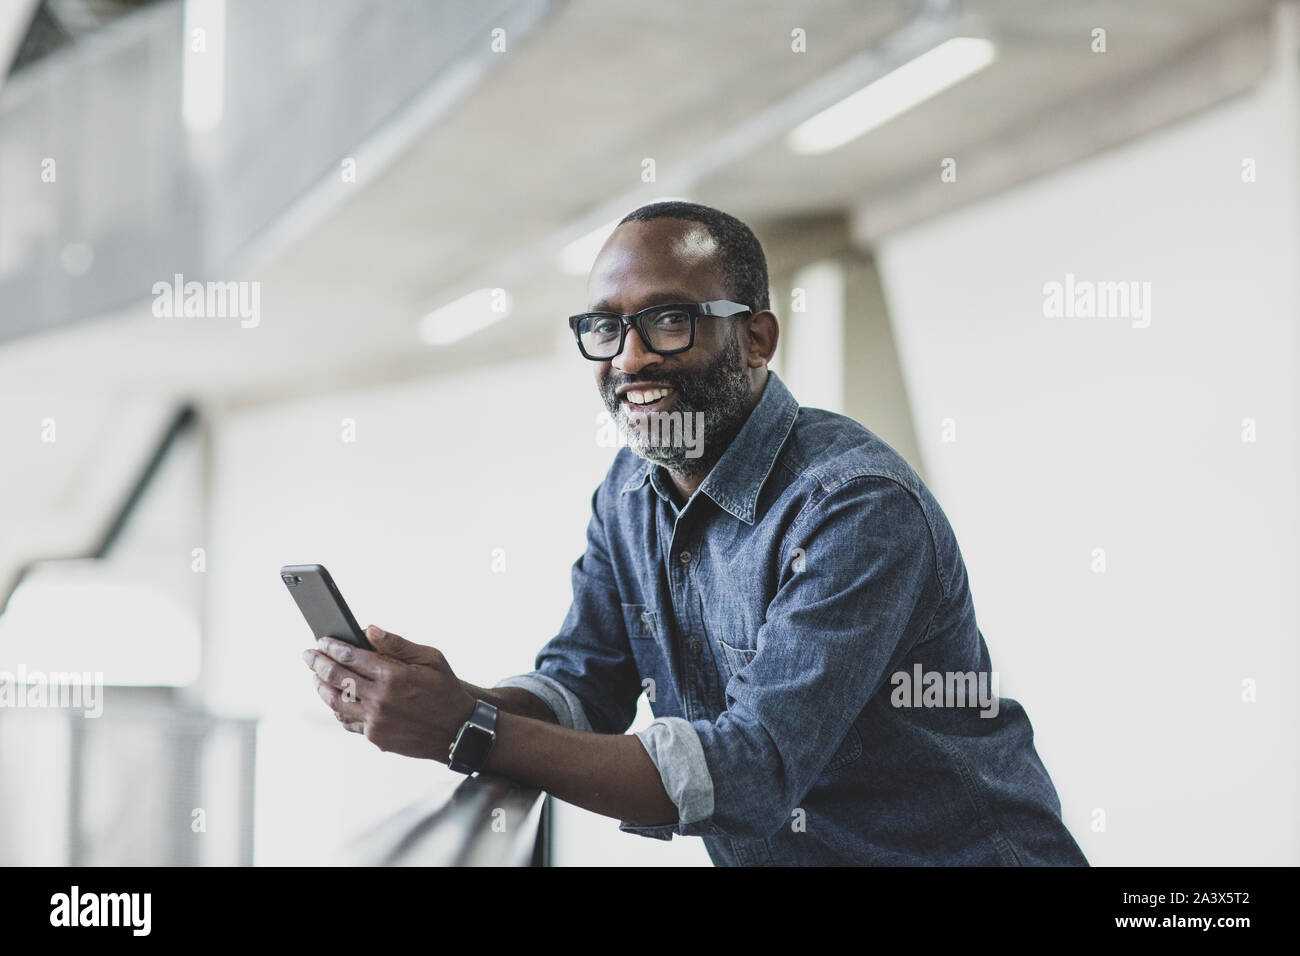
point(784, 625)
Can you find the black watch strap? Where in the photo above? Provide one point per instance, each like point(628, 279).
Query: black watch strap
point(470, 749)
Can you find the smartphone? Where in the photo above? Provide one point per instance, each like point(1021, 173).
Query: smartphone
point(317, 596)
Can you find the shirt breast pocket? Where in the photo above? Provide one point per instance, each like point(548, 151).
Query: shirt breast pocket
point(642, 623)
point(734, 659)
point(643, 639)
point(849, 750)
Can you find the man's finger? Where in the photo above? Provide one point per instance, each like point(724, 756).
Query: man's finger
point(349, 710)
point(360, 661)
point(335, 674)
point(400, 649)
point(352, 726)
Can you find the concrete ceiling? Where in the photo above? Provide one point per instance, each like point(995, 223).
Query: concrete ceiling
point(555, 140)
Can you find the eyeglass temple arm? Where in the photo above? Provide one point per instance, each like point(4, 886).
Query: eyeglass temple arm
point(725, 310)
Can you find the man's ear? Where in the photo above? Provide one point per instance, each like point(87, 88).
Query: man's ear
point(762, 330)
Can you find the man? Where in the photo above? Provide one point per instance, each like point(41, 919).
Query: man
point(787, 593)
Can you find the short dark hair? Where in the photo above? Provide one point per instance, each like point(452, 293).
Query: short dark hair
point(743, 262)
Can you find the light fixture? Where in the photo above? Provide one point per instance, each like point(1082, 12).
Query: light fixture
point(896, 92)
point(203, 65)
point(463, 317)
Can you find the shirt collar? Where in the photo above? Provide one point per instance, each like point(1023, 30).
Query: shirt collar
point(739, 475)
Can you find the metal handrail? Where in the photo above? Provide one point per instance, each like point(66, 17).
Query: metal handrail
point(488, 821)
point(186, 416)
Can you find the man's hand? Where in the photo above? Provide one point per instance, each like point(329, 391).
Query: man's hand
point(404, 698)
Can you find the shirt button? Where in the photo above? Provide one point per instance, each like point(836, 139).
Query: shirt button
point(694, 645)
point(685, 557)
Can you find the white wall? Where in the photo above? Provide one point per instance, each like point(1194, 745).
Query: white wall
point(1076, 433)
point(812, 339)
point(406, 518)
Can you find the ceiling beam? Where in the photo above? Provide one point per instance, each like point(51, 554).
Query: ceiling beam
point(1208, 73)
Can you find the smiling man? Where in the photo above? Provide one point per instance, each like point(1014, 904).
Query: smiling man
point(778, 592)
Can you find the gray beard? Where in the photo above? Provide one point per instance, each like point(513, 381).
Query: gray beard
point(716, 399)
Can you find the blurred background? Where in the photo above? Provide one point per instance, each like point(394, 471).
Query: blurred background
point(286, 281)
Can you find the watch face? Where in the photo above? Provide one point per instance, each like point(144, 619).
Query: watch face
point(472, 747)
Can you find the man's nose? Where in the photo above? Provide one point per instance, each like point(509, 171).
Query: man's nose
point(635, 356)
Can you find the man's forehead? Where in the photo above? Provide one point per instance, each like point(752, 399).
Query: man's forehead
point(635, 298)
point(662, 260)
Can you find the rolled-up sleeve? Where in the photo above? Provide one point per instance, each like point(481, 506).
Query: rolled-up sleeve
point(586, 674)
point(674, 746)
point(563, 702)
point(865, 587)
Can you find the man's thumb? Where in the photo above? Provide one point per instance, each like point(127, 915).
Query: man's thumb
point(399, 648)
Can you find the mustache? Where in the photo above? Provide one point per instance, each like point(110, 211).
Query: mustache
point(611, 384)
point(685, 384)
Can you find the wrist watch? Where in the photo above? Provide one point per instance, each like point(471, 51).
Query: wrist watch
point(470, 749)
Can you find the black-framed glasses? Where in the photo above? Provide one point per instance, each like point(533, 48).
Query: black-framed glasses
point(664, 329)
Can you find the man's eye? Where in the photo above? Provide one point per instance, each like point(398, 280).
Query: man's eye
point(670, 320)
point(604, 327)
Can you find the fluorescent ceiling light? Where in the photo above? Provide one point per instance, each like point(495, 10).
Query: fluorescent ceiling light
point(876, 104)
point(577, 257)
point(470, 313)
point(203, 65)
